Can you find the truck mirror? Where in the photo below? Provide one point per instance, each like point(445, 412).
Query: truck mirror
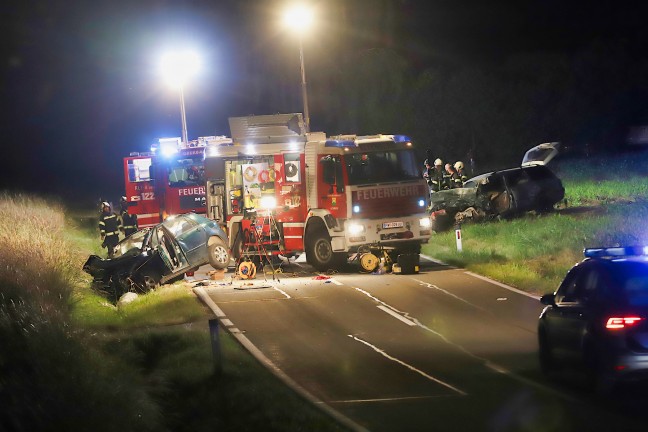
point(339, 181)
point(328, 173)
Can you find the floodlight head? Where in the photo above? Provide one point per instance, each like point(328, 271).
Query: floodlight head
point(299, 18)
point(177, 67)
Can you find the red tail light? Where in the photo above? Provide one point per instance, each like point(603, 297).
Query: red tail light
point(619, 323)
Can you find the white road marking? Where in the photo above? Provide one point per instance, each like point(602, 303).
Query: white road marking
point(410, 367)
point(432, 286)
point(487, 363)
point(385, 399)
point(226, 322)
point(510, 288)
point(282, 292)
point(256, 353)
point(395, 315)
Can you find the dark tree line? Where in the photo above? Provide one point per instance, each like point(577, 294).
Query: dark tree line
point(586, 100)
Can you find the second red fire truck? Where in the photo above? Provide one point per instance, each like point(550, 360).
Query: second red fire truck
point(168, 180)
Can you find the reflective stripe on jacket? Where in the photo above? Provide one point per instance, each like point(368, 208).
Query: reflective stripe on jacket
point(109, 224)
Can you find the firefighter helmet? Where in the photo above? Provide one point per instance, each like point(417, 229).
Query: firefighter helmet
point(438, 162)
point(459, 165)
point(105, 204)
point(427, 162)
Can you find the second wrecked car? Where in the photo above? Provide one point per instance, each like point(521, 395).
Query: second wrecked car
point(529, 187)
point(161, 254)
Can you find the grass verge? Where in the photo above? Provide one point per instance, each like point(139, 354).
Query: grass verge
point(606, 204)
point(71, 361)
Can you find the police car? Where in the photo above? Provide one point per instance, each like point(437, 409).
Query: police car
point(597, 320)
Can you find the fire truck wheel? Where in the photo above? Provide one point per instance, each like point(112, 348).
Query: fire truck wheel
point(320, 253)
point(219, 256)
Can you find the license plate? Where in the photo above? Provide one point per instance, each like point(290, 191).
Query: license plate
point(387, 225)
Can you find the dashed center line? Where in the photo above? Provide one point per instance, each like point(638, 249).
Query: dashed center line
point(410, 367)
point(397, 316)
point(404, 316)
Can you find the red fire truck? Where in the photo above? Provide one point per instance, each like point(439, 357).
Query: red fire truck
point(168, 180)
point(304, 192)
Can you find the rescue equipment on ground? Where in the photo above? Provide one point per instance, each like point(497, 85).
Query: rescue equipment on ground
point(407, 264)
point(247, 270)
point(375, 259)
point(369, 262)
point(255, 235)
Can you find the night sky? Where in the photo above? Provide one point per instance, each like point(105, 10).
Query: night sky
point(80, 88)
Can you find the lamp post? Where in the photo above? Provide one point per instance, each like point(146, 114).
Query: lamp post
point(177, 67)
point(299, 18)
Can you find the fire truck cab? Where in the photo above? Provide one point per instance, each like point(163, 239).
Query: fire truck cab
point(169, 180)
point(304, 192)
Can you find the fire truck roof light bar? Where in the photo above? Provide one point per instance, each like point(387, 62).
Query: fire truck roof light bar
point(172, 145)
point(616, 251)
point(340, 143)
point(354, 140)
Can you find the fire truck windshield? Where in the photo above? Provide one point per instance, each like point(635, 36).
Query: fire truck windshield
point(381, 166)
point(186, 172)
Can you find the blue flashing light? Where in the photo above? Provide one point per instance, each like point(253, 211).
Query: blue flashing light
point(356, 209)
point(615, 251)
point(402, 138)
point(340, 143)
point(421, 203)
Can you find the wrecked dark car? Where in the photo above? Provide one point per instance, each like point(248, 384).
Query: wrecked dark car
point(161, 254)
point(506, 193)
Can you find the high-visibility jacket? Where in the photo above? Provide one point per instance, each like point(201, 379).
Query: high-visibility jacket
point(462, 176)
point(109, 225)
point(453, 180)
point(128, 223)
point(436, 184)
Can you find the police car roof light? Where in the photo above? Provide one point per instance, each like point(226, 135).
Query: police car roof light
point(615, 251)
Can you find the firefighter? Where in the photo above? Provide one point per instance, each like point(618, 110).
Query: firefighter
point(459, 166)
point(128, 221)
point(452, 179)
point(108, 228)
point(436, 182)
point(428, 173)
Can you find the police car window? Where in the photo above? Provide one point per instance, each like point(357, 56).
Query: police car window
point(632, 280)
point(636, 289)
point(592, 289)
point(568, 291)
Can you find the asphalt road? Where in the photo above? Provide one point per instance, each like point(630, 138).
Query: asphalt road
point(442, 350)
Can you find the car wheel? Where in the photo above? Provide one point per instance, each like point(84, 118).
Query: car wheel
point(149, 280)
point(597, 380)
point(547, 362)
point(219, 256)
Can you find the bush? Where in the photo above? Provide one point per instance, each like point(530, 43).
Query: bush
point(50, 376)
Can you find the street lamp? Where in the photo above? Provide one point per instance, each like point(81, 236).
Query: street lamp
point(177, 67)
point(299, 18)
